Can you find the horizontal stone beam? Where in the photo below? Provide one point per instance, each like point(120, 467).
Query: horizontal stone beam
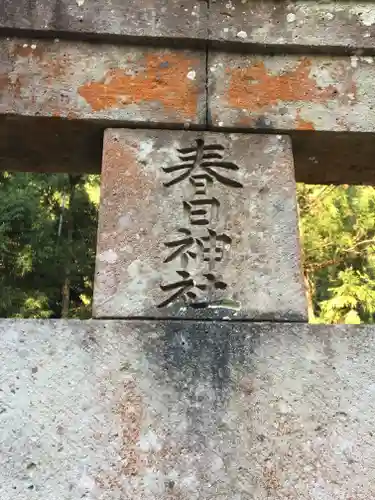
point(293, 24)
point(340, 24)
point(288, 93)
point(54, 145)
point(334, 158)
point(146, 410)
point(102, 82)
point(133, 19)
point(134, 85)
point(50, 145)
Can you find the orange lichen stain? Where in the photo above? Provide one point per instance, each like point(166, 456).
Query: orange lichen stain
point(129, 462)
point(254, 88)
point(302, 124)
point(245, 121)
point(163, 79)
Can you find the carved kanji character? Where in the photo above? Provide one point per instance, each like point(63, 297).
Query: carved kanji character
point(189, 290)
point(202, 159)
point(183, 287)
point(201, 211)
point(209, 246)
point(214, 245)
point(182, 247)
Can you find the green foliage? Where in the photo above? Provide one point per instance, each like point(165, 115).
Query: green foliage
point(43, 240)
point(48, 241)
point(337, 226)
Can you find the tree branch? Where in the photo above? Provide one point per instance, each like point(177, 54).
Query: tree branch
point(322, 265)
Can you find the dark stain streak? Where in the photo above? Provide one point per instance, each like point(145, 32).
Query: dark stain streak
point(263, 123)
point(198, 359)
point(57, 18)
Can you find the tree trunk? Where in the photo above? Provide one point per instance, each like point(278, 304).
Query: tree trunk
point(65, 291)
point(65, 302)
point(309, 297)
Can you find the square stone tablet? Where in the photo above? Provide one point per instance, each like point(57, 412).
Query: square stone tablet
point(198, 225)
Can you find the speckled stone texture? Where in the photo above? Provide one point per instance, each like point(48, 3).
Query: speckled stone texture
point(292, 92)
point(102, 82)
point(131, 18)
point(186, 411)
point(343, 25)
point(197, 225)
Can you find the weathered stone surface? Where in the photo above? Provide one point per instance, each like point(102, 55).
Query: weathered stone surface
point(292, 92)
point(106, 82)
point(340, 24)
point(197, 225)
point(133, 18)
point(292, 23)
point(184, 410)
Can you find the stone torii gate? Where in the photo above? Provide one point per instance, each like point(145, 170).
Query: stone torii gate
point(199, 378)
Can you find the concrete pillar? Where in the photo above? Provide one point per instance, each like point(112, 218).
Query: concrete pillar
point(158, 410)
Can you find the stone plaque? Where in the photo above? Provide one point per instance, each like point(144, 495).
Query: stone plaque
point(197, 225)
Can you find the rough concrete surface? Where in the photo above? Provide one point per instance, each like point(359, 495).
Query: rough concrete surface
point(105, 82)
point(133, 18)
point(186, 411)
point(197, 225)
point(318, 93)
point(340, 24)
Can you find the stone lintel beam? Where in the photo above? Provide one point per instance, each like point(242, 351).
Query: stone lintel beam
point(160, 410)
point(102, 82)
point(293, 25)
point(76, 146)
point(292, 92)
point(334, 158)
point(198, 225)
point(50, 145)
point(130, 86)
point(131, 19)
